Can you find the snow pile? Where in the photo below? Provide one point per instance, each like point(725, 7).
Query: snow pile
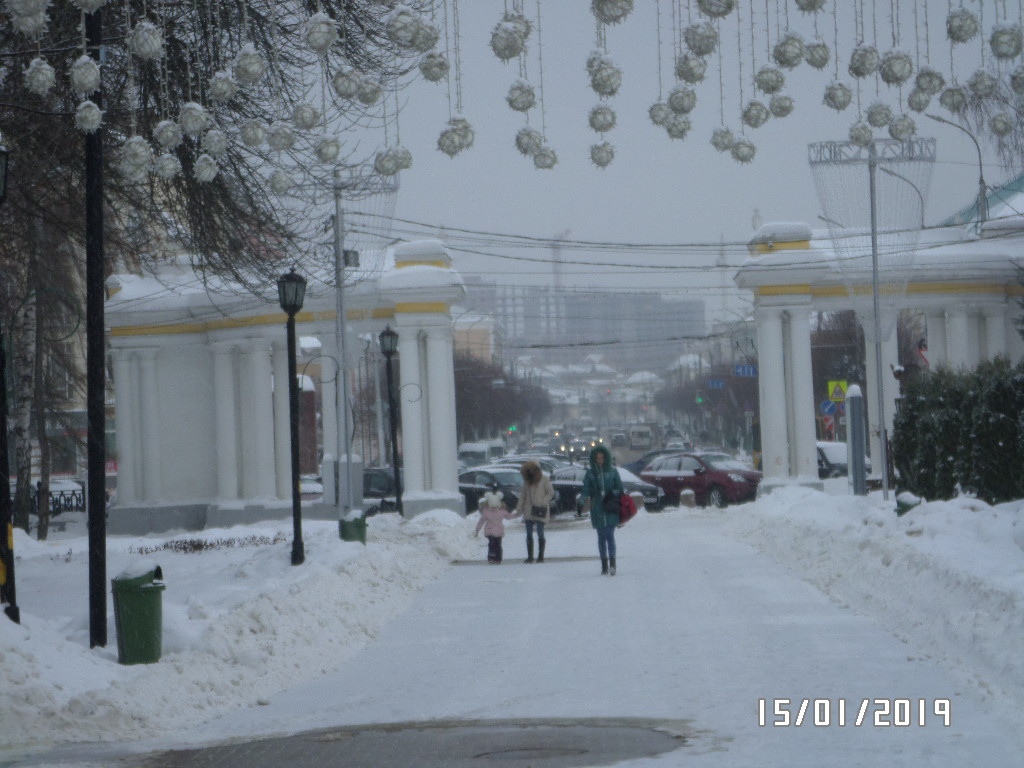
point(947, 577)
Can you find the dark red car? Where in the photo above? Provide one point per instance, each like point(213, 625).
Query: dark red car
point(716, 479)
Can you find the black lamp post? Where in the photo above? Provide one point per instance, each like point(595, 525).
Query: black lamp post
point(389, 346)
point(7, 587)
point(291, 290)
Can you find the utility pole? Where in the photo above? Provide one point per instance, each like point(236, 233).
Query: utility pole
point(341, 390)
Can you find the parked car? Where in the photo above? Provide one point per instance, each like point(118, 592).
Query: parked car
point(568, 484)
point(549, 462)
point(716, 479)
point(833, 460)
point(619, 439)
point(379, 490)
point(678, 444)
point(639, 465)
point(476, 481)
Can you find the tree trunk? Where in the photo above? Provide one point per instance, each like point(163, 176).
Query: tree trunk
point(43, 495)
point(24, 396)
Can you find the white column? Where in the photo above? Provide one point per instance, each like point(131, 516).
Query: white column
point(444, 472)
point(772, 390)
point(258, 471)
point(802, 395)
point(227, 421)
point(282, 421)
point(152, 488)
point(411, 394)
point(125, 387)
point(1014, 341)
point(995, 331)
point(937, 355)
point(956, 337)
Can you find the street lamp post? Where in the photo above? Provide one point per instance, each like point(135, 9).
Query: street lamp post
point(982, 189)
point(389, 346)
point(7, 586)
point(291, 290)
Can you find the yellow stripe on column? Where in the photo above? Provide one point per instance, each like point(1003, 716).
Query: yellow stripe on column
point(422, 307)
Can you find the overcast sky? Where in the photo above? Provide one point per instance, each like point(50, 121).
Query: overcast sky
point(657, 190)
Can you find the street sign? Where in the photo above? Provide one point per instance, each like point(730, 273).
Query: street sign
point(828, 423)
point(716, 384)
point(828, 407)
point(750, 371)
point(837, 390)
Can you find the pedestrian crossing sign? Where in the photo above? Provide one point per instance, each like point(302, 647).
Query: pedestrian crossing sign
point(837, 391)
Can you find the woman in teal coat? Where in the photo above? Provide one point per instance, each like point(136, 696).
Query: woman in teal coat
point(602, 487)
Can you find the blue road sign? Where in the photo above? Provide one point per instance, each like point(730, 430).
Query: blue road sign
point(749, 371)
point(716, 384)
point(828, 407)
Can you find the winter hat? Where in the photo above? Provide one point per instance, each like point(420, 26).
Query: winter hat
point(493, 499)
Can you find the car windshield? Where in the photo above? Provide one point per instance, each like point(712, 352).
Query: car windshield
point(628, 477)
point(723, 461)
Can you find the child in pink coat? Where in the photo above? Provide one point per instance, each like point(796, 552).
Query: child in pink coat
point(493, 515)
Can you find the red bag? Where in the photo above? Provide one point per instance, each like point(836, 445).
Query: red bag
point(627, 509)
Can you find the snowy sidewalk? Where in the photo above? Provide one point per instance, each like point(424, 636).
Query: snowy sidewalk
point(697, 627)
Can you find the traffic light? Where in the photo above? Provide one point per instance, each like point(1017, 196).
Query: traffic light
point(512, 429)
point(700, 398)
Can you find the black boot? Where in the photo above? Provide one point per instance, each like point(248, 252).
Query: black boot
point(540, 553)
point(529, 551)
point(612, 569)
point(604, 566)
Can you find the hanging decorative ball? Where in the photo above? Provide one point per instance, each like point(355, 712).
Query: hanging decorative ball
point(982, 84)
point(167, 166)
point(1002, 124)
point(954, 99)
point(450, 141)
point(464, 129)
point(879, 115)
point(401, 26)
point(817, 54)
point(529, 141)
point(770, 79)
point(755, 114)
point(682, 100)
point(253, 133)
point(215, 142)
point(810, 6)
point(961, 25)
point(780, 105)
point(789, 51)
point(659, 113)
point(716, 9)
point(280, 136)
point(85, 75)
point(403, 157)
point(611, 11)
point(605, 77)
point(691, 68)
point(321, 32)
point(205, 170)
point(424, 37)
point(545, 158)
point(346, 82)
point(506, 41)
point(327, 149)
point(918, 100)
point(521, 96)
point(223, 87)
point(89, 6)
point(864, 60)
point(146, 41)
point(1006, 41)
point(40, 77)
point(743, 151)
point(193, 118)
point(1017, 80)
point(896, 67)
point(520, 22)
point(168, 134)
point(26, 7)
point(305, 116)
point(902, 128)
point(249, 66)
point(31, 25)
point(837, 96)
point(370, 90)
point(701, 38)
point(602, 154)
point(861, 134)
point(602, 118)
point(677, 126)
point(434, 67)
point(929, 80)
point(88, 117)
point(281, 182)
point(722, 139)
point(136, 152)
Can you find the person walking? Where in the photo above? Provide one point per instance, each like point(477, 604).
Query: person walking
point(602, 487)
point(493, 515)
point(535, 506)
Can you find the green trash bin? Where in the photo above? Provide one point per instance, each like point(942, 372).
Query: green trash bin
point(354, 529)
point(138, 614)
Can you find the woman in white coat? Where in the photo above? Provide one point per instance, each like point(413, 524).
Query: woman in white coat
point(535, 506)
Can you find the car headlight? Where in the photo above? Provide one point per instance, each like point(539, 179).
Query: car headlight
point(737, 478)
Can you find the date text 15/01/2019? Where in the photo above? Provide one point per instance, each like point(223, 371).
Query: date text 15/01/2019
point(872, 713)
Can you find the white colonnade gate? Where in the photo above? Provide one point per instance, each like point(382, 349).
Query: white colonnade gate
point(968, 287)
point(202, 432)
